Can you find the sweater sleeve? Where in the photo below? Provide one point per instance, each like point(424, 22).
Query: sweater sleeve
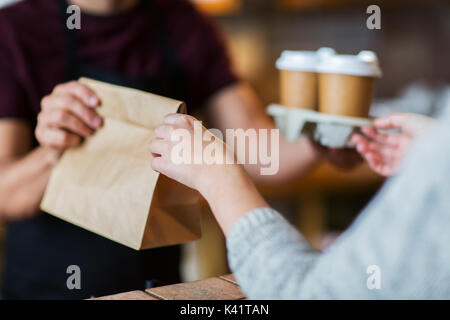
point(261, 249)
point(396, 248)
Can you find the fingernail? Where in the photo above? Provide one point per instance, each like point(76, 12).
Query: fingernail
point(93, 100)
point(96, 122)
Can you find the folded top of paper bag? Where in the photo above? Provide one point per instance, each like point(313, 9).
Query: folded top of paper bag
point(133, 106)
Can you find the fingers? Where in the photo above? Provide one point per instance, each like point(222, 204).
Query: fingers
point(59, 118)
point(373, 134)
point(395, 120)
point(388, 139)
point(80, 91)
point(57, 138)
point(409, 123)
point(171, 123)
point(180, 120)
point(369, 150)
point(359, 139)
point(158, 164)
point(391, 139)
point(376, 164)
point(162, 145)
point(159, 147)
point(369, 132)
point(71, 104)
point(373, 157)
point(164, 131)
point(363, 145)
point(67, 116)
point(381, 158)
point(374, 160)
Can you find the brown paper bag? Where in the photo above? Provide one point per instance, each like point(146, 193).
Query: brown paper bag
point(107, 185)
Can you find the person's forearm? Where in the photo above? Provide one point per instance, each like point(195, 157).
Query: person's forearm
point(238, 107)
point(23, 182)
point(232, 196)
point(296, 158)
point(269, 257)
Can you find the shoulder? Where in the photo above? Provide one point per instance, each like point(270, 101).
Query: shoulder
point(21, 12)
point(26, 25)
point(183, 17)
point(194, 33)
point(25, 18)
point(176, 6)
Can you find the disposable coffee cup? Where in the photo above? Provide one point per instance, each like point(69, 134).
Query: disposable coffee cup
point(298, 77)
point(347, 83)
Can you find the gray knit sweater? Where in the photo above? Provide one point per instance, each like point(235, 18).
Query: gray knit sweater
point(398, 247)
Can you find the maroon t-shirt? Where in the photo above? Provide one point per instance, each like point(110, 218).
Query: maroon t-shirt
point(32, 62)
point(32, 50)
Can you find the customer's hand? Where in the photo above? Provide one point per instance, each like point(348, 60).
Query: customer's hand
point(67, 116)
point(206, 165)
point(384, 152)
point(176, 153)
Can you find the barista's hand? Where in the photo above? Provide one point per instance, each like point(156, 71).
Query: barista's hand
point(385, 152)
point(67, 116)
point(344, 158)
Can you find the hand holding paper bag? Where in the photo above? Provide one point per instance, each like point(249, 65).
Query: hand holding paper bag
point(107, 186)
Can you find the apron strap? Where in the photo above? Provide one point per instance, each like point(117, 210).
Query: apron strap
point(165, 45)
point(71, 46)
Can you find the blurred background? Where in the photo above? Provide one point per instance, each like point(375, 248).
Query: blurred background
point(413, 49)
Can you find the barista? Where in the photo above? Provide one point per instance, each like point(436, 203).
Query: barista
point(156, 45)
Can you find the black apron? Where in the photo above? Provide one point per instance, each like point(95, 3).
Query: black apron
point(39, 250)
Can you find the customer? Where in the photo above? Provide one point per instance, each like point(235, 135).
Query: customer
point(384, 152)
point(401, 237)
point(164, 47)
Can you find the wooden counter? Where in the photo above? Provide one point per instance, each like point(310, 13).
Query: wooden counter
point(217, 288)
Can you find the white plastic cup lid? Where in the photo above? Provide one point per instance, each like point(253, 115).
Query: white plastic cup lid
point(303, 60)
point(363, 64)
point(325, 52)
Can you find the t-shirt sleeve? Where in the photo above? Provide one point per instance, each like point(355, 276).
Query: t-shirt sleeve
point(13, 100)
point(206, 58)
point(217, 70)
